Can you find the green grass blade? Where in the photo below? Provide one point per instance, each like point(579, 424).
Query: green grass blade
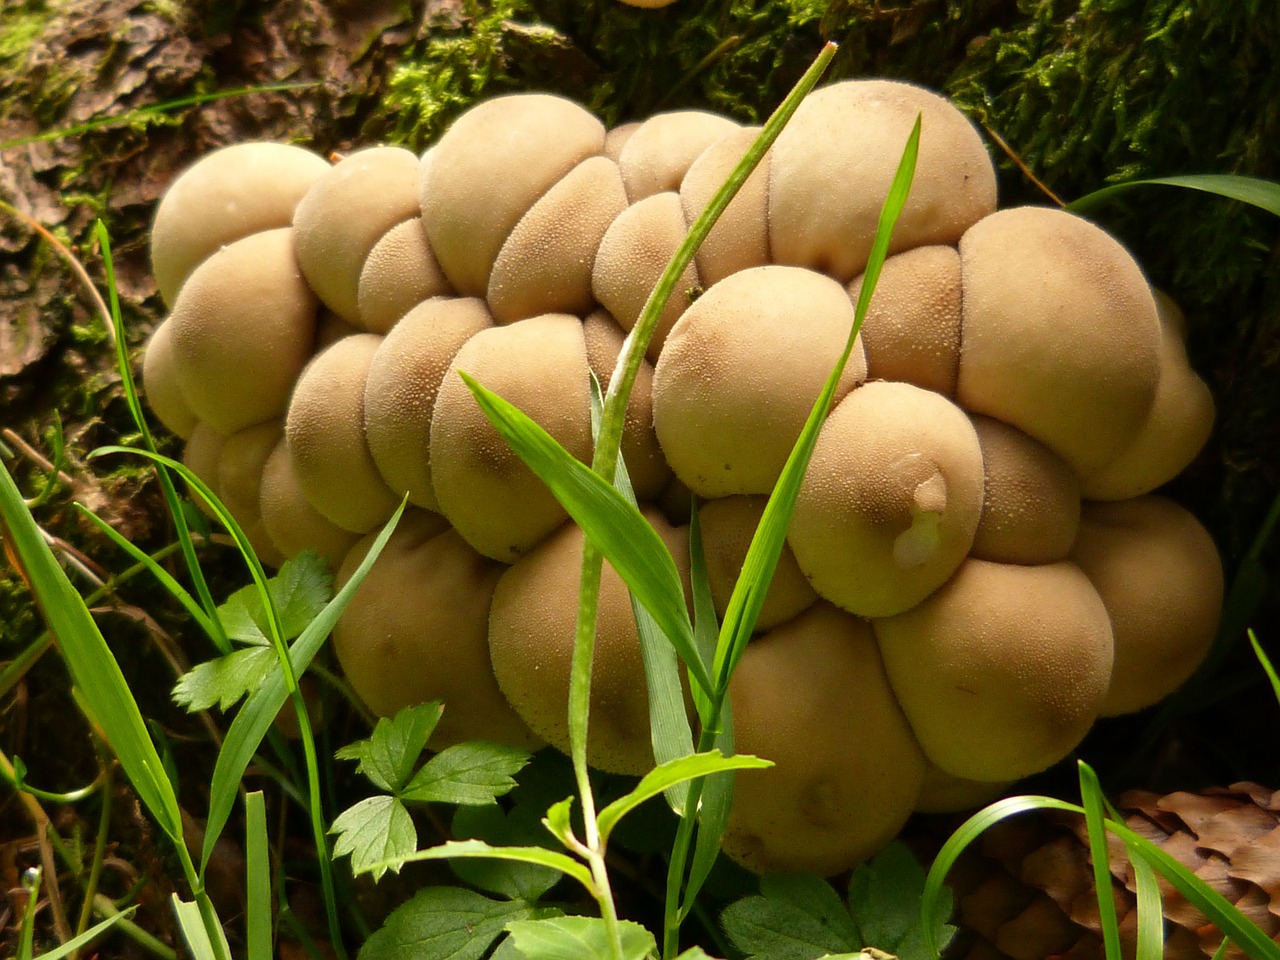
point(92, 665)
point(618, 529)
point(1266, 663)
point(766, 546)
point(258, 898)
point(1256, 192)
point(259, 710)
point(713, 815)
point(706, 624)
point(1150, 908)
point(1096, 828)
point(86, 938)
point(478, 849)
point(196, 934)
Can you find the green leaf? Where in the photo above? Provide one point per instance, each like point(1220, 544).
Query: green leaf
point(376, 832)
point(672, 772)
point(695, 953)
point(300, 589)
point(558, 823)
point(1096, 828)
point(442, 923)
point(579, 938)
point(477, 848)
point(474, 773)
point(1256, 192)
point(195, 932)
point(391, 752)
point(1265, 662)
point(88, 937)
point(224, 681)
point(884, 901)
point(796, 917)
point(521, 826)
point(258, 900)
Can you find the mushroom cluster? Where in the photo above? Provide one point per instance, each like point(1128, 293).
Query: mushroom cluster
point(976, 570)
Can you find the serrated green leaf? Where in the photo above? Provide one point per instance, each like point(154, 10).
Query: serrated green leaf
point(387, 757)
point(884, 901)
point(796, 917)
point(224, 680)
point(521, 826)
point(376, 832)
point(299, 590)
point(474, 773)
point(443, 923)
point(579, 938)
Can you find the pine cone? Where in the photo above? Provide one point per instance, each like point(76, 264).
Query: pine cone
point(1025, 890)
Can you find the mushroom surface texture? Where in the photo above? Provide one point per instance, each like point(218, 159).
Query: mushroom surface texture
point(974, 569)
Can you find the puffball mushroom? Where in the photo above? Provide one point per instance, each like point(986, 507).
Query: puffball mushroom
point(241, 332)
point(1161, 582)
point(160, 383)
point(379, 182)
point(1061, 337)
point(853, 133)
point(659, 152)
point(416, 628)
point(241, 189)
point(740, 371)
point(811, 695)
point(531, 635)
point(291, 522)
point(740, 238)
point(399, 273)
point(1002, 671)
point(891, 501)
point(496, 502)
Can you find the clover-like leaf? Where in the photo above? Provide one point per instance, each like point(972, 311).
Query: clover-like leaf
point(375, 830)
point(387, 757)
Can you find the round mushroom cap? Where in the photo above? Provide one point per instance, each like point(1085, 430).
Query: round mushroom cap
point(740, 238)
point(241, 461)
point(1160, 579)
point(416, 629)
point(399, 273)
point(545, 264)
point(740, 372)
point(946, 793)
point(1031, 503)
point(404, 379)
point(226, 195)
point(728, 524)
point(489, 168)
point(241, 332)
point(811, 695)
point(912, 328)
point(891, 500)
point(616, 138)
point(160, 383)
point(345, 213)
point(200, 455)
point(1177, 426)
point(646, 465)
point(834, 162)
point(1061, 337)
point(291, 522)
point(632, 256)
point(496, 502)
point(325, 433)
point(1003, 670)
point(531, 633)
point(658, 154)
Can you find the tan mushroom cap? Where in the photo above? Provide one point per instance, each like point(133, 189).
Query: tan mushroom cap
point(489, 168)
point(242, 330)
point(834, 162)
point(240, 465)
point(1061, 337)
point(200, 455)
point(496, 502)
point(1160, 579)
point(345, 213)
point(891, 500)
point(633, 254)
point(404, 379)
point(946, 793)
point(728, 524)
point(1177, 426)
point(1003, 670)
point(740, 372)
point(160, 383)
point(399, 273)
point(912, 328)
point(330, 328)
point(740, 238)
point(325, 433)
point(646, 465)
point(1031, 503)
point(226, 195)
point(531, 634)
point(545, 264)
point(291, 522)
point(812, 696)
point(659, 153)
point(416, 630)
point(616, 138)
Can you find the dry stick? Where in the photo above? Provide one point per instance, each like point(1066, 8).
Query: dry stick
point(1026, 171)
